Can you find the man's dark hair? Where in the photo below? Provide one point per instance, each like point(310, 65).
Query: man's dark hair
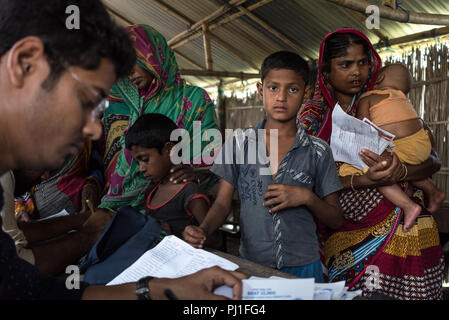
point(285, 60)
point(150, 130)
point(97, 37)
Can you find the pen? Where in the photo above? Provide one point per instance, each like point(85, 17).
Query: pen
point(90, 206)
point(169, 294)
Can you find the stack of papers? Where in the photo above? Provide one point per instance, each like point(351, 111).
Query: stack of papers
point(173, 258)
point(350, 135)
point(277, 288)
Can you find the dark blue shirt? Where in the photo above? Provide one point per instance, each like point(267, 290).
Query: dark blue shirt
point(20, 280)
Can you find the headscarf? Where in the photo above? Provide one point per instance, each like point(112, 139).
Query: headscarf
point(169, 95)
point(316, 115)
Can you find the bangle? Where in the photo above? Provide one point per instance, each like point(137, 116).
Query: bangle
point(406, 172)
point(352, 180)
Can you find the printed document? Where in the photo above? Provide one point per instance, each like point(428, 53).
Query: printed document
point(171, 258)
point(277, 288)
point(350, 135)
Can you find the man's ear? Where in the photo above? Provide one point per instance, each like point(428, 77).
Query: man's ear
point(24, 59)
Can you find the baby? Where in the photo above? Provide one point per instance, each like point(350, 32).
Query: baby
point(388, 107)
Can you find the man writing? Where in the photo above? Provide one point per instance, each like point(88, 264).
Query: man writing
point(53, 84)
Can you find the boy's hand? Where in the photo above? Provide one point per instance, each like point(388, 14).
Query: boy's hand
point(195, 236)
point(283, 196)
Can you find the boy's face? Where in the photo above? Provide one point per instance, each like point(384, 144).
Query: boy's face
point(152, 164)
point(282, 93)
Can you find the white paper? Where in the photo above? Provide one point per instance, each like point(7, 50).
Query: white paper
point(171, 258)
point(328, 291)
point(319, 291)
point(61, 213)
point(274, 288)
point(350, 135)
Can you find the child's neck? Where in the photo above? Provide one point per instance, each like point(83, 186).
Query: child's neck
point(285, 129)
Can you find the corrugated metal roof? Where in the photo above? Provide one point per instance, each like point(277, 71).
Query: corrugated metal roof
point(304, 22)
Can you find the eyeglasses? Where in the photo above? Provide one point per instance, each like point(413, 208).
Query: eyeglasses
point(102, 105)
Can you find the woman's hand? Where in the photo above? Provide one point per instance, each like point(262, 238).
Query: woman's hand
point(385, 169)
point(90, 192)
point(183, 173)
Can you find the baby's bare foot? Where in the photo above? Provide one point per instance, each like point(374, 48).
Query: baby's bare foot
point(434, 200)
point(410, 215)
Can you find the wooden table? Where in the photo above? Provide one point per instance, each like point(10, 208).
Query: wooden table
point(251, 268)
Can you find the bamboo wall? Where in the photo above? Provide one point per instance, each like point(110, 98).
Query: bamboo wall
point(243, 113)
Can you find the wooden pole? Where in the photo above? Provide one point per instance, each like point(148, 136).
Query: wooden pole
point(230, 49)
point(415, 37)
point(219, 74)
point(234, 16)
point(221, 107)
point(273, 31)
point(396, 14)
point(197, 26)
point(207, 48)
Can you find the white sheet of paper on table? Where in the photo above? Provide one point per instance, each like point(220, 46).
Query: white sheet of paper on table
point(328, 291)
point(274, 288)
point(171, 258)
point(350, 135)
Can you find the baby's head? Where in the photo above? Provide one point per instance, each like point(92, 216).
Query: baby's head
point(148, 139)
point(394, 76)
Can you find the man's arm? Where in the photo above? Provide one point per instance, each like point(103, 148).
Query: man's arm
point(198, 286)
point(36, 231)
point(52, 257)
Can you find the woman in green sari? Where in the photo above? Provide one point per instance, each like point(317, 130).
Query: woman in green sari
point(154, 86)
